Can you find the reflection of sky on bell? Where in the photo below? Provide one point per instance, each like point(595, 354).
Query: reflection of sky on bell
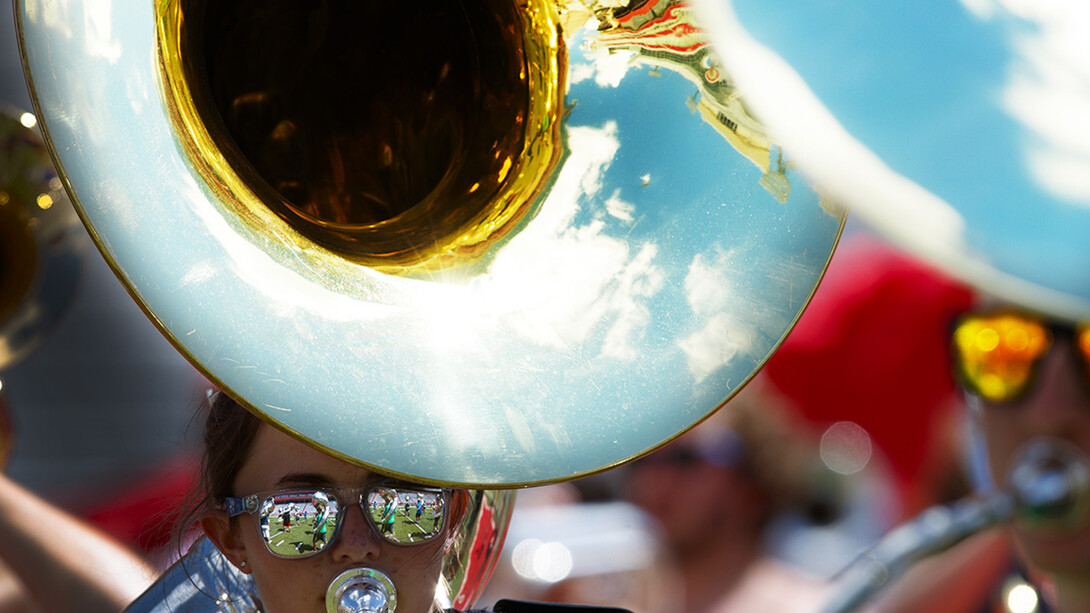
point(97, 27)
point(597, 331)
point(1049, 90)
point(981, 103)
point(590, 276)
point(53, 15)
point(606, 68)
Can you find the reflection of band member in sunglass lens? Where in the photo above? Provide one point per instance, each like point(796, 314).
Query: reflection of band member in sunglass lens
point(321, 520)
point(389, 515)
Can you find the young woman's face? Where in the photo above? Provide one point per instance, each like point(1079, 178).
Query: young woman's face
point(278, 461)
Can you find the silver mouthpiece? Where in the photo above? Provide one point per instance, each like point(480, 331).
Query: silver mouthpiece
point(1050, 485)
point(361, 590)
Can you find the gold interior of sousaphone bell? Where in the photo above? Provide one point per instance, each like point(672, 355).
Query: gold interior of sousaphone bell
point(405, 137)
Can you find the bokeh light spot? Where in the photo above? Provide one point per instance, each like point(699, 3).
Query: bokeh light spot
point(1022, 598)
point(845, 447)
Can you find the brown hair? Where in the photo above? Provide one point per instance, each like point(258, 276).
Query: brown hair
point(229, 433)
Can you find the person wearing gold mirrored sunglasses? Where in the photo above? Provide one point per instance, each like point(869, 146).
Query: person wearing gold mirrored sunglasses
point(1029, 377)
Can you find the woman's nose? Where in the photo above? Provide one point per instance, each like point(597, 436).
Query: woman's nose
point(1059, 398)
point(356, 542)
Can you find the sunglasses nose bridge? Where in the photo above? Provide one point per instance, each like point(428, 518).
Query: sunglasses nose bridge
point(356, 538)
point(358, 496)
point(1059, 393)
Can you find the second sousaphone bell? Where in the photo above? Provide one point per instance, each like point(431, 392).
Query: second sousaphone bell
point(958, 130)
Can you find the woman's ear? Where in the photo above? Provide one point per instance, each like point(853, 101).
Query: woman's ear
point(225, 536)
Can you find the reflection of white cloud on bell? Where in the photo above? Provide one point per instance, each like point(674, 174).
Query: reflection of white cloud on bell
point(100, 39)
point(607, 69)
point(714, 345)
point(619, 208)
point(1048, 92)
point(590, 279)
point(708, 288)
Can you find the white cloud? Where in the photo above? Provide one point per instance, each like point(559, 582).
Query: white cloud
point(562, 280)
point(709, 288)
point(640, 279)
point(619, 208)
point(1048, 88)
point(983, 9)
point(715, 345)
point(1049, 92)
point(51, 15)
point(97, 15)
point(606, 68)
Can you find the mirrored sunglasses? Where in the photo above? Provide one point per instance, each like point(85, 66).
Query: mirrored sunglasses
point(996, 355)
point(301, 522)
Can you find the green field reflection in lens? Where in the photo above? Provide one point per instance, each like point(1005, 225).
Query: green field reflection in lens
point(298, 523)
point(406, 516)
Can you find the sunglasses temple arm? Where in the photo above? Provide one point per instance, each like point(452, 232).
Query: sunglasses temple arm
point(236, 506)
point(1045, 486)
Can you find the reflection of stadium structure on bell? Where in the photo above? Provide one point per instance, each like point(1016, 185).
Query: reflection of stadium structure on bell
point(663, 33)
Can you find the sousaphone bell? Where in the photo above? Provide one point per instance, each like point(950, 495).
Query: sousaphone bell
point(484, 245)
point(474, 244)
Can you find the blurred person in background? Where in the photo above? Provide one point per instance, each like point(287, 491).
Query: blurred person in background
point(967, 382)
point(55, 560)
point(868, 356)
point(873, 349)
point(575, 542)
point(715, 491)
point(1027, 378)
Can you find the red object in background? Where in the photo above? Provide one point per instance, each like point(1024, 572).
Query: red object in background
point(145, 515)
point(872, 348)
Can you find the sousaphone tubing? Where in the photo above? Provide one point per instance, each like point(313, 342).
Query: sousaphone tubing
point(478, 244)
point(42, 245)
point(42, 250)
